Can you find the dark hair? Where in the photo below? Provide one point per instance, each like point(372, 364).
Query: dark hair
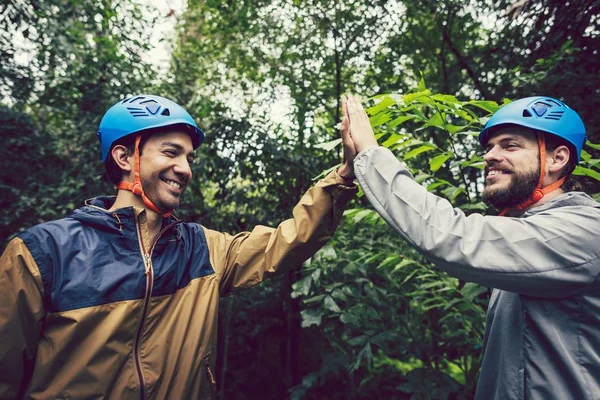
point(571, 184)
point(114, 173)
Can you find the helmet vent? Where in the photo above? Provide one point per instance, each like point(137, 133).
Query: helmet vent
point(554, 102)
point(554, 115)
point(133, 100)
point(526, 113)
point(165, 112)
point(138, 112)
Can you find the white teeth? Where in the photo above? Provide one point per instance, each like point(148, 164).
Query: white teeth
point(495, 172)
point(174, 184)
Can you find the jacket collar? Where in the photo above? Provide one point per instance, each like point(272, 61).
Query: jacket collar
point(95, 213)
point(568, 199)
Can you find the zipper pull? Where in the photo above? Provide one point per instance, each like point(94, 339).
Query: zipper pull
point(147, 262)
point(211, 377)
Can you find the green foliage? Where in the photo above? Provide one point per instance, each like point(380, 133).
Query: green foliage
point(379, 320)
point(383, 306)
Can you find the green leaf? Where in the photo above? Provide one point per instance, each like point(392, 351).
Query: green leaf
point(437, 184)
point(487, 105)
point(585, 156)
point(393, 139)
point(409, 98)
point(349, 318)
point(331, 305)
point(403, 264)
point(328, 146)
point(592, 145)
point(310, 317)
point(382, 105)
point(453, 192)
point(446, 98)
point(314, 299)
point(581, 171)
point(422, 86)
point(316, 275)
point(400, 120)
point(472, 290)
point(302, 287)
point(435, 120)
point(454, 129)
point(358, 340)
point(366, 354)
point(421, 149)
point(409, 276)
point(436, 162)
point(380, 119)
point(357, 217)
point(474, 206)
point(338, 294)
point(391, 259)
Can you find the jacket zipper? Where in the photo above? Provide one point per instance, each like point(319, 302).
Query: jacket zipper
point(147, 256)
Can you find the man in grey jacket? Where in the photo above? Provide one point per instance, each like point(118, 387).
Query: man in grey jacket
point(541, 256)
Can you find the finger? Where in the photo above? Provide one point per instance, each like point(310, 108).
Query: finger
point(345, 125)
point(359, 109)
point(344, 106)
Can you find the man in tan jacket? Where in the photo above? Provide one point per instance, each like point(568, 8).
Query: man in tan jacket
point(120, 299)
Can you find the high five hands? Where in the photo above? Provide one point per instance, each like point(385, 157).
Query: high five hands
point(357, 134)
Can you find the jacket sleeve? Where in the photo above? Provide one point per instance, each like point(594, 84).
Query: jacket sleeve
point(21, 315)
point(553, 253)
point(246, 259)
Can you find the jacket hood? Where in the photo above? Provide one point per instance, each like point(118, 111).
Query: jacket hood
point(95, 214)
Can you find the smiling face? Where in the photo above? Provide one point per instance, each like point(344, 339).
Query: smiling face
point(165, 168)
point(512, 167)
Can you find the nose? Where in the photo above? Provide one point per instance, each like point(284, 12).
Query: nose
point(183, 169)
point(493, 154)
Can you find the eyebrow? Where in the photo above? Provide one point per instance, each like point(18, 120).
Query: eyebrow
point(176, 146)
point(508, 138)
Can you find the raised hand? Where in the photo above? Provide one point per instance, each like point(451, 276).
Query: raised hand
point(361, 133)
point(347, 167)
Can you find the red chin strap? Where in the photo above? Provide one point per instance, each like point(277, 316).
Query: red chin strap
point(539, 192)
point(136, 186)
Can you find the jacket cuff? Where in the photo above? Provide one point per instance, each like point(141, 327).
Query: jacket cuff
point(341, 190)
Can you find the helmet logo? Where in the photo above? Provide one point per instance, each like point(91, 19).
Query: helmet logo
point(540, 108)
point(543, 110)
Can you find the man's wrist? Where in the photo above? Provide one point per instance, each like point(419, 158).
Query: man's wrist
point(347, 174)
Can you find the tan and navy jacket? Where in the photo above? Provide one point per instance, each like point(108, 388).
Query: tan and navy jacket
point(89, 308)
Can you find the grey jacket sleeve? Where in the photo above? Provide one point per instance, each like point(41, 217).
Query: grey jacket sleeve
point(552, 253)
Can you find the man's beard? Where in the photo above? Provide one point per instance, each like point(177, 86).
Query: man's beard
point(518, 191)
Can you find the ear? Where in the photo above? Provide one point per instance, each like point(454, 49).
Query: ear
point(122, 158)
point(558, 159)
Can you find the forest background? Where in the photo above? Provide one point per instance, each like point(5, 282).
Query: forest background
point(367, 317)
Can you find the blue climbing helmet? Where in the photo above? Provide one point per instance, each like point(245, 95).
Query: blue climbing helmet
point(543, 114)
point(140, 113)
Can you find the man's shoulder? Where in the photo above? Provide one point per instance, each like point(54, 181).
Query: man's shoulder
point(192, 229)
point(50, 227)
